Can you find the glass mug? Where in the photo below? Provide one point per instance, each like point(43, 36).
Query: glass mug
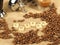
point(44, 3)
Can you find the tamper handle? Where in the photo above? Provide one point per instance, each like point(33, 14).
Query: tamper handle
point(1, 4)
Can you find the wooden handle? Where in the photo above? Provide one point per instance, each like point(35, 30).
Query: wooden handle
point(1, 4)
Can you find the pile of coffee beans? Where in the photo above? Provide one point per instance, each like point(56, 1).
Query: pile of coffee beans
point(26, 38)
point(5, 35)
point(52, 30)
point(4, 30)
point(3, 24)
point(51, 10)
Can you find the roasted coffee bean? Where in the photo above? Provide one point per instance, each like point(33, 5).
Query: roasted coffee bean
point(21, 20)
point(26, 16)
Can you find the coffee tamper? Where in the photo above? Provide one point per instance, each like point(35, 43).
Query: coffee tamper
point(13, 5)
